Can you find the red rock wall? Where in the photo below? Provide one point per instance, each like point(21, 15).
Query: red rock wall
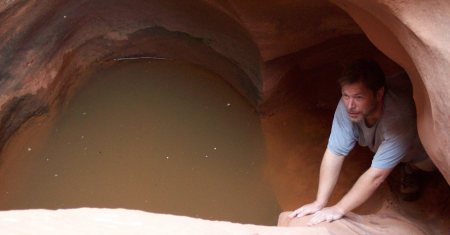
point(46, 48)
point(259, 47)
point(416, 35)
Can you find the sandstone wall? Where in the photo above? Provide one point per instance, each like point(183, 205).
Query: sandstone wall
point(47, 48)
point(416, 35)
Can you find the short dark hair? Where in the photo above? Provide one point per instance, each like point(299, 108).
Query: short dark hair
point(366, 71)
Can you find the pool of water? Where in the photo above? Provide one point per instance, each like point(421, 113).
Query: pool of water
point(159, 136)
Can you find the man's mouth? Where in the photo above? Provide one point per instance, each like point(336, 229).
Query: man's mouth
point(353, 114)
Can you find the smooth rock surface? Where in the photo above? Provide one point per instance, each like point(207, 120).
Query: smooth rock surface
point(259, 48)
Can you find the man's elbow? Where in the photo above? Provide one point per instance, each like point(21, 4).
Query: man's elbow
point(378, 176)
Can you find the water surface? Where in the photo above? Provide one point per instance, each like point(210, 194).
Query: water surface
point(158, 136)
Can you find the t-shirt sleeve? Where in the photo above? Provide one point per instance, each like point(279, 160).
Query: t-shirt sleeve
point(394, 147)
point(342, 138)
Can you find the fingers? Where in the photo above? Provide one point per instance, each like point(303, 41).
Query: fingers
point(318, 217)
point(326, 215)
point(295, 213)
point(304, 210)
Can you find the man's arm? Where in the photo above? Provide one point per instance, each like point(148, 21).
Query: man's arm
point(359, 193)
point(329, 172)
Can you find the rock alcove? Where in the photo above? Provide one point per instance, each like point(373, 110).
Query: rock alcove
point(283, 57)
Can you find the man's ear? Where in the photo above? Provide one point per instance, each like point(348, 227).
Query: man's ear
point(380, 94)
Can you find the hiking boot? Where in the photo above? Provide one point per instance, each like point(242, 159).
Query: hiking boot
point(410, 182)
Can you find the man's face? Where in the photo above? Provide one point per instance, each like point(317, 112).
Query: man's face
point(360, 101)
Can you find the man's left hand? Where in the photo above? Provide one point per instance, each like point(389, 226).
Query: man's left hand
point(327, 214)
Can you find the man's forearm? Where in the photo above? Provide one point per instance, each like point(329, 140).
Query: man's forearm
point(363, 189)
point(329, 173)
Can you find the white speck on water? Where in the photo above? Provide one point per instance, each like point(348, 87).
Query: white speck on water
point(65, 17)
point(228, 104)
point(29, 149)
point(215, 148)
point(47, 159)
point(206, 156)
point(167, 157)
point(55, 175)
point(84, 113)
point(82, 137)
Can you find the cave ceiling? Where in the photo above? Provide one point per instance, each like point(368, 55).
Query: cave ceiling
point(284, 27)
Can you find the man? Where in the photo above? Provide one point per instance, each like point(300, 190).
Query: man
point(373, 116)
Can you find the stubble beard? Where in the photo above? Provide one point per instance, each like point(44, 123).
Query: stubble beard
point(363, 114)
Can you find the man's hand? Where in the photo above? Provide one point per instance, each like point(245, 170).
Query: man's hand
point(328, 214)
point(307, 209)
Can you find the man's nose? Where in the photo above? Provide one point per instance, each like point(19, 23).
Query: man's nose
point(350, 104)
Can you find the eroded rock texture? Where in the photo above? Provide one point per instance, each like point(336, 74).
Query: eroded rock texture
point(266, 50)
point(46, 45)
point(415, 34)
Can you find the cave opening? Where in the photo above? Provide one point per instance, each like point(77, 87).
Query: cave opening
point(301, 108)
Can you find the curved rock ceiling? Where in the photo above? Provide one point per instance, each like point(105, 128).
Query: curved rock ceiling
point(47, 48)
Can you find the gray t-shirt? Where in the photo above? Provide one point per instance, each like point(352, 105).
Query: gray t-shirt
point(393, 138)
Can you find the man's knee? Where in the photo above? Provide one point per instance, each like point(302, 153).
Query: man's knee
point(425, 165)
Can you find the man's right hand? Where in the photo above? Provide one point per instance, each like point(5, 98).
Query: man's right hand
point(307, 209)
point(329, 173)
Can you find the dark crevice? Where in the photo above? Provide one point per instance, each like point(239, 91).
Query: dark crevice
point(17, 112)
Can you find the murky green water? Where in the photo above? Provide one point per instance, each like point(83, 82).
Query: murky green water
point(158, 136)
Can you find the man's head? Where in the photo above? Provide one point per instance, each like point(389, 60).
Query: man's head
point(362, 87)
